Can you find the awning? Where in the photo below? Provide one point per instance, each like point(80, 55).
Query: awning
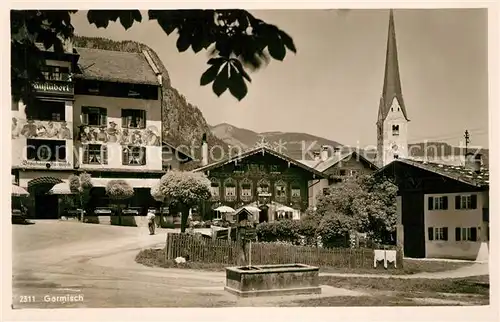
point(133, 182)
point(60, 189)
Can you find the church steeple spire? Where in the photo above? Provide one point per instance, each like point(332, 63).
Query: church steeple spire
point(392, 120)
point(392, 81)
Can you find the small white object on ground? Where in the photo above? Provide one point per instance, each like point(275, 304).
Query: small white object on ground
point(180, 260)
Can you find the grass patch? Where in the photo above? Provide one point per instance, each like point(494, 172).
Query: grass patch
point(156, 257)
point(472, 285)
point(355, 301)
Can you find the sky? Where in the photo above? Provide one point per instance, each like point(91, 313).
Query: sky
point(332, 86)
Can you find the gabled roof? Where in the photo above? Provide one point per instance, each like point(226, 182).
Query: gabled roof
point(255, 151)
point(458, 173)
point(392, 82)
point(115, 66)
point(322, 166)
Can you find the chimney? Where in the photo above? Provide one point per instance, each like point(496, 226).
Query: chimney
point(316, 156)
point(473, 162)
point(324, 153)
point(204, 150)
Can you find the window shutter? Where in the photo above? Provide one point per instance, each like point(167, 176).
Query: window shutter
point(125, 156)
point(143, 120)
point(430, 232)
point(104, 154)
point(473, 201)
point(457, 202)
point(143, 155)
point(445, 202)
point(85, 154)
point(445, 233)
point(85, 116)
point(124, 119)
point(103, 116)
point(457, 233)
point(473, 234)
point(430, 203)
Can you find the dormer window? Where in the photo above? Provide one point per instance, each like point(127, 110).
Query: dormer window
point(395, 130)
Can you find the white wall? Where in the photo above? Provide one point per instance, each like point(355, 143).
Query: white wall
point(114, 107)
point(316, 189)
point(395, 117)
point(453, 218)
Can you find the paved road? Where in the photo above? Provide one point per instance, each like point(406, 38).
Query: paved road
point(53, 259)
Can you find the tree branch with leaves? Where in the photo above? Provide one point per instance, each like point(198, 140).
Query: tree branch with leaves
point(236, 41)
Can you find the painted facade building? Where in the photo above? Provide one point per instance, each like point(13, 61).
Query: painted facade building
point(443, 210)
point(99, 112)
point(260, 177)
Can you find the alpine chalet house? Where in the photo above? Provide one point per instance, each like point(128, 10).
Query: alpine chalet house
point(43, 133)
point(443, 210)
point(117, 118)
point(260, 177)
point(342, 165)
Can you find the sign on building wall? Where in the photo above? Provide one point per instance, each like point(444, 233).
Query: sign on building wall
point(54, 88)
point(46, 164)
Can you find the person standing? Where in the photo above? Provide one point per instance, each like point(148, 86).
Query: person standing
point(151, 221)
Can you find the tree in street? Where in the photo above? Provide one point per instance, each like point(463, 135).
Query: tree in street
point(80, 186)
point(182, 191)
point(118, 192)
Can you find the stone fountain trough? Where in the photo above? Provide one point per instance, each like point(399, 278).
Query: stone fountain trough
point(268, 280)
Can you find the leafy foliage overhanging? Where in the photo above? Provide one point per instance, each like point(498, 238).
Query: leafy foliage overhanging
point(235, 39)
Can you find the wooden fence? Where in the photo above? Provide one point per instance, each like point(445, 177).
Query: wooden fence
point(199, 249)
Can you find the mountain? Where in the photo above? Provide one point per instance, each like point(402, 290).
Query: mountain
point(244, 138)
point(183, 123)
point(292, 143)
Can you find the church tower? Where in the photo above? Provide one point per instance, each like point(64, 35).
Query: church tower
point(392, 121)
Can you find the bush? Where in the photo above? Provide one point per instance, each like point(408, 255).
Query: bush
point(284, 230)
point(119, 190)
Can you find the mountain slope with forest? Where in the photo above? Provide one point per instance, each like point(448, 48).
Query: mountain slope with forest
point(183, 123)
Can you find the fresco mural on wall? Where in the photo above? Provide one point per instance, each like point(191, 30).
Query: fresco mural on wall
point(150, 136)
point(50, 130)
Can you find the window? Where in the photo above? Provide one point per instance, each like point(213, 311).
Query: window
point(280, 190)
point(437, 203)
point(466, 234)
point(96, 116)
point(215, 188)
point(134, 119)
point(230, 189)
point(342, 172)
point(46, 150)
point(56, 73)
point(274, 168)
point(263, 187)
point(395, 130)
point(95, 154)
point(439, 233)
point(134, 155)
point(295, 191)
point(246, 190)
point(466, 202)
point(46, 111)
point(353, 173)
